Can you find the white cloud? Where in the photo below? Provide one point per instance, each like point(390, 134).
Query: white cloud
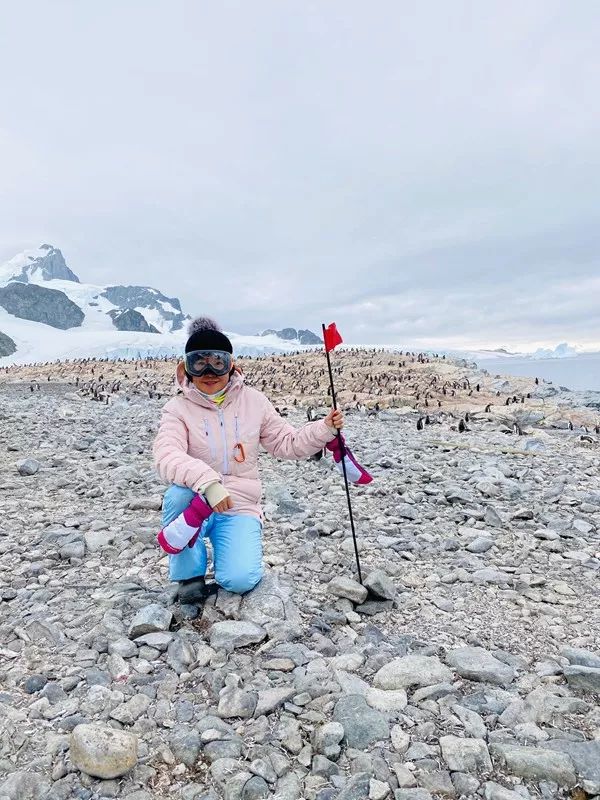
point(410, 170)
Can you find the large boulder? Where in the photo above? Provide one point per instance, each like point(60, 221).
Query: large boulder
point(37, 303)
point(103, 752)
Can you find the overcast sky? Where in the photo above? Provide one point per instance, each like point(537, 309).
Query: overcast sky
point(424, 173)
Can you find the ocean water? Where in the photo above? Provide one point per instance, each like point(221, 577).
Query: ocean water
point(577, 372)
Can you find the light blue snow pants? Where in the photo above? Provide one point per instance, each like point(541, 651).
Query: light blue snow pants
point(235, 539)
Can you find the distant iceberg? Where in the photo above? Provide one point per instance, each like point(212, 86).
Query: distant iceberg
point(562, 350)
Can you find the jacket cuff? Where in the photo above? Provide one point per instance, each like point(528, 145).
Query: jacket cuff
point(215, 493)
point(328, 433)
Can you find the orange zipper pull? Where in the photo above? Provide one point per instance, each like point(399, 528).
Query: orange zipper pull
point(240, 456)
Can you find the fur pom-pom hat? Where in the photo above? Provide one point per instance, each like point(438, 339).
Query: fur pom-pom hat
point(205, 334)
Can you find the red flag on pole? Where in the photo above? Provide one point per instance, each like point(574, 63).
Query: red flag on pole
point(331, 337)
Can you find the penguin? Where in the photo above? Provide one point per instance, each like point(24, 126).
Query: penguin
point(420, 424)
point(488, 408)
point(461, 426)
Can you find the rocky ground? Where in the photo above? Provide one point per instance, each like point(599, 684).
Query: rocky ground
point(468, 665)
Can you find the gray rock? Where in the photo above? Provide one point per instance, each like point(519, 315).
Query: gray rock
point(237, 703)
point(493, 791)
point(582, 658)
point(270, 699)
point(481, 544)
point(536, 763)
point(128, 712)
point(255, 789)
point(232, 634)
point(326, 739)
point(123, 647)
point(585, 678)
point(185, 743)
point(474, 726)
point(585, 757)
point(348, 588)
point(233, 789)
point(380, 584)
point(465, 755)
point(362, 725)
point(355, 788)
point(412, 670)
point(29, 466)
point(149, 619)
point(438, 782)
point(159, 640)
point(388, 701)
point(34, 683)
point(24, 785)
point(478, 664)
point(98, 540)
point(263, 768)
point(412, 794)
point(289, 787)
point(74, 549)
point(103, 752)
point(465, 785)
point(323, 766)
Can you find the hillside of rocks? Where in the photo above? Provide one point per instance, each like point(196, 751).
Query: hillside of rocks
point(467, 664)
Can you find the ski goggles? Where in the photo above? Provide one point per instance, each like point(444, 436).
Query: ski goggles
point(204, 362)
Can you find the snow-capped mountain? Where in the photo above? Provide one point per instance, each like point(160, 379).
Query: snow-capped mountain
point(46, 263)
point(299, 336)
point(47, 313)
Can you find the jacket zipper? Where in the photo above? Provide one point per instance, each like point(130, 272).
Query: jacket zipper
point(211, 444)
point(224, 440)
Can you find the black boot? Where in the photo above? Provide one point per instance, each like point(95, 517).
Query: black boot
point(192, 592)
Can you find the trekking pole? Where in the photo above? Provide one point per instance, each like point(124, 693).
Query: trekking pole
point(341, 444)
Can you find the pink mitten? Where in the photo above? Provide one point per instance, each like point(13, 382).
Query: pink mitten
point(184, 529)
point(354, 471)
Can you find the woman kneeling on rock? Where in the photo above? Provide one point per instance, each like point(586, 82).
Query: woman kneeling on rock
point(207, 448)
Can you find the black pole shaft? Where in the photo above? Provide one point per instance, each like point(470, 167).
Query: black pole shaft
point(343, 452)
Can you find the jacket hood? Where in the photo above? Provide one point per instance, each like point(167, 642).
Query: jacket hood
point(191, 393)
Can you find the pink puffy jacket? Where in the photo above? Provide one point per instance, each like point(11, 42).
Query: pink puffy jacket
point(196, 440)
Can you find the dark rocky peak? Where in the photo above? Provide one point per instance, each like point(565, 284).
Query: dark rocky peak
point(131, 320)
point(47, 263)
point(130, 297)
